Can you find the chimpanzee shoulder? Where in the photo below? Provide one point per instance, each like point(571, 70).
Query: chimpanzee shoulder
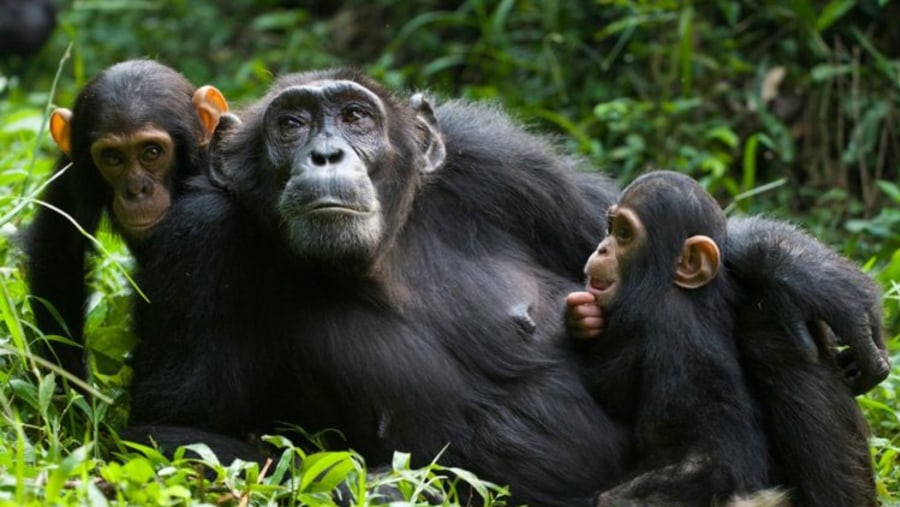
point(497, 173)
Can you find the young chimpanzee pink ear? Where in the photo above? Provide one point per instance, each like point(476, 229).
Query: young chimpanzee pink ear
point(699, 262)
point(61, 129)
point(210, 105)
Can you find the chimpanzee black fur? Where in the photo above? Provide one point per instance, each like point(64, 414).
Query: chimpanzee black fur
point(817, 432)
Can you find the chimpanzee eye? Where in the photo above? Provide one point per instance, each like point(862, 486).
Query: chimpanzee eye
point(354, 113)
point(111, 157)
point(288, 124)
point(151, 153)
point(623, 231)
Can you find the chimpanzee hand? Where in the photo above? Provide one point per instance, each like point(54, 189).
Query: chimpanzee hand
point(806, 285)
point(584, 319)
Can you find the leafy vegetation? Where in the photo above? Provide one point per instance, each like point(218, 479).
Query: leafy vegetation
point(784, 108)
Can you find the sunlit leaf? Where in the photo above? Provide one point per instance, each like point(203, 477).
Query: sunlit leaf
point(832, 12)
point(325, 470)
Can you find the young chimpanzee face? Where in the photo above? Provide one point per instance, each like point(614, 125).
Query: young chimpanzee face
point(625, 236)
point(141, 125)
point(136, 165)
point(657, 231)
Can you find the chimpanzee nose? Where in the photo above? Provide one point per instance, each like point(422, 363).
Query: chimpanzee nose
point(138, 188)
point(323, 157)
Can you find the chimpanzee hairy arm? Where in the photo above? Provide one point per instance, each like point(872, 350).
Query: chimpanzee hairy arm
point(817, 432)
point(56, 252)
point(804, 283)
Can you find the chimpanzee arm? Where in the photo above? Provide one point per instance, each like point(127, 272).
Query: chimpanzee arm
point(804, 284)
point(56, 251)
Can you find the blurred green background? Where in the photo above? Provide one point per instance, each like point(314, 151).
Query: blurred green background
point(784, 108)
point(801, 95)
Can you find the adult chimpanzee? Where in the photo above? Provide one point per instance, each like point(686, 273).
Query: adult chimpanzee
point(137, 129)
point(699, 435)
point(394, 273)
point(401, 292)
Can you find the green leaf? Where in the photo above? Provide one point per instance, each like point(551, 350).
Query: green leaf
point(138, 470)
point(500, 17)
point(204, 452)
point(832, 12)
point(26, 120)
point(26, 391)
point(279, 441)
point(323, 471)
point(826, 71)
point(151, 453)
point(481, 487)
point(58, 476)
point(400, 461)
point(279, 20)
point(724, 135)
point(748, 176)
point(891, 189)
point(45, 393)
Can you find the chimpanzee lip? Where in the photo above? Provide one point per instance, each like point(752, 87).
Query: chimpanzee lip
point(600, 286)
point(141, 227)
point(334, 206)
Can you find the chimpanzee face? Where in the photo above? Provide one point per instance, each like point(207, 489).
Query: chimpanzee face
point(136, 165)
point(625, 235)
point(141, 126)
point(657, 239)
point(324, 141)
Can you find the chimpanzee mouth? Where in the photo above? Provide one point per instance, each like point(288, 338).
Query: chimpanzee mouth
point(599, 286)
point(142, 227)
point(335, 206)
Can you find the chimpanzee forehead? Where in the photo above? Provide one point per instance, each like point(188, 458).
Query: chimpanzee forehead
point(665, 200)
point(328, 90)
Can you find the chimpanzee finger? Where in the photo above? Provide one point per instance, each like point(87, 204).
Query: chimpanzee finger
point(586, 328)
point(863, 337)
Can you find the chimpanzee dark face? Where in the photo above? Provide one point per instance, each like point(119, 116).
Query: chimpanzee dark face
point(323, 140)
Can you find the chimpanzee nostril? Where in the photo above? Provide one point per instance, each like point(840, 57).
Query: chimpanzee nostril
point(332, 157)
point(138, 188)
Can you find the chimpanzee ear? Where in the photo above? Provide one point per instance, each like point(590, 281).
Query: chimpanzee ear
point(699, 262)
point(61, 129)
point(430, 138)
point(226, 124)
point(210, 105)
